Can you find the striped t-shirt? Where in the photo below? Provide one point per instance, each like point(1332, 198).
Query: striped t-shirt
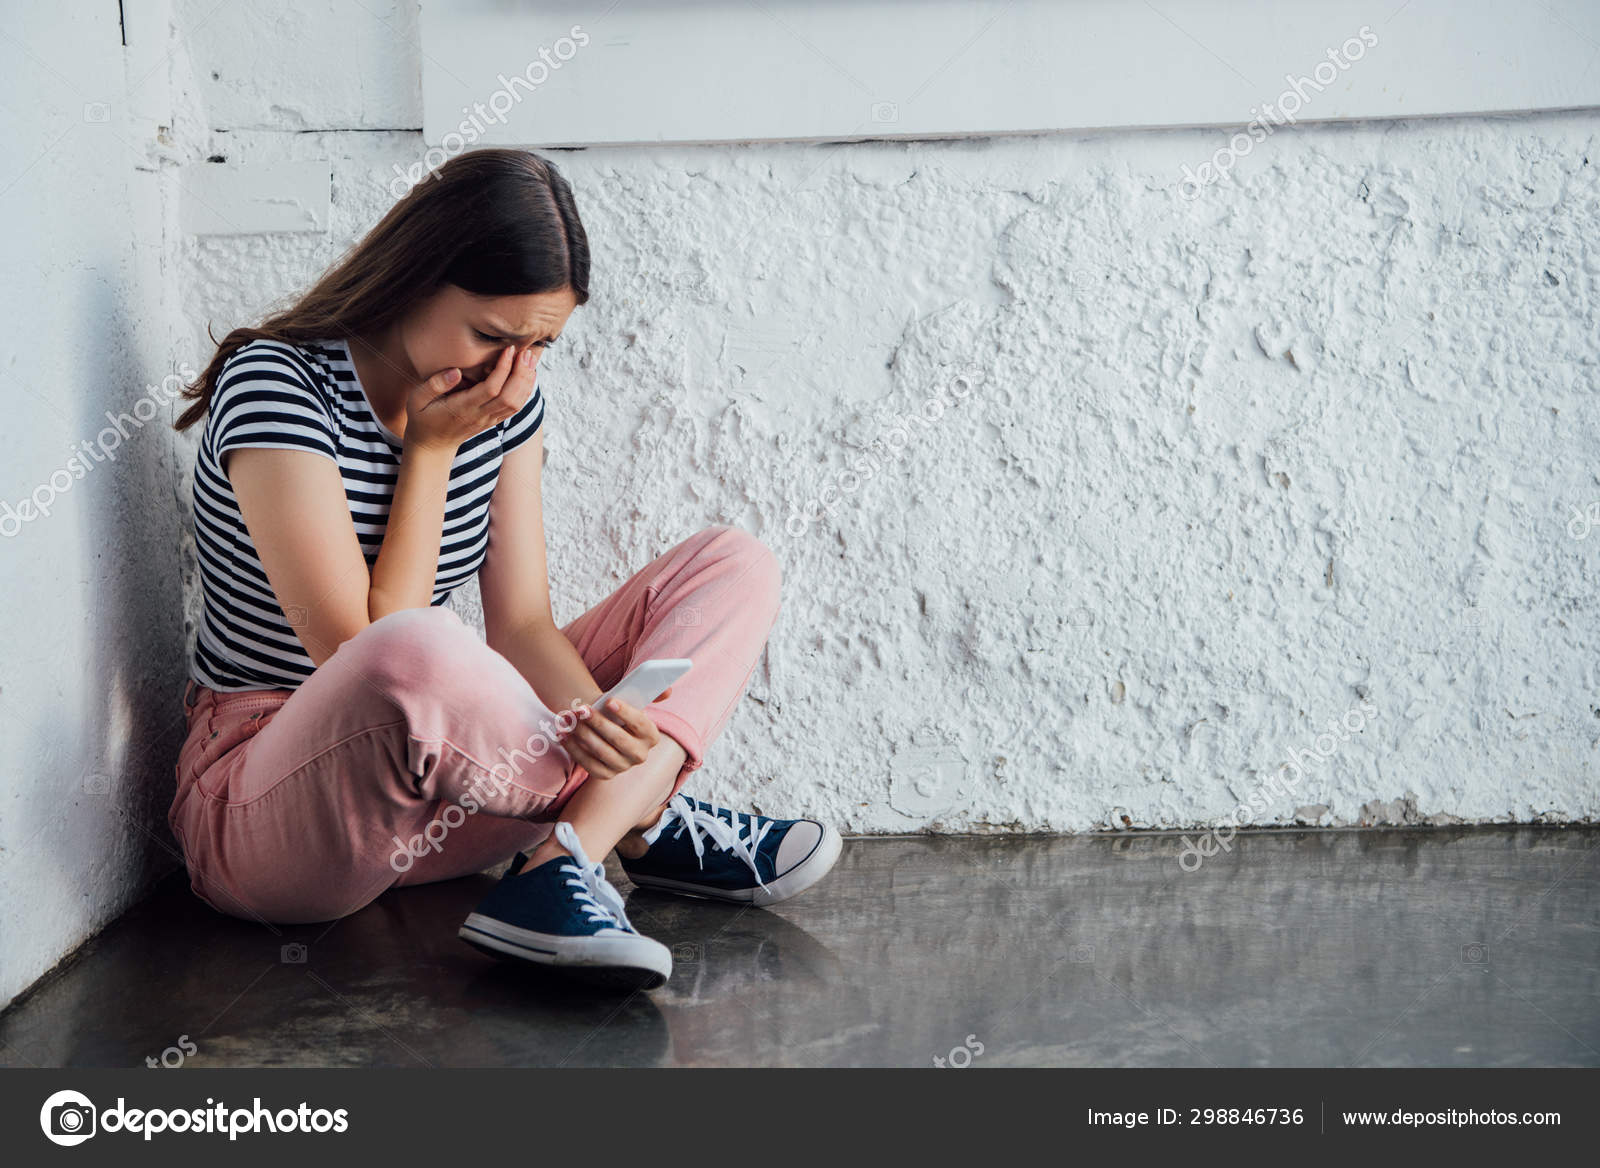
point(307, 397)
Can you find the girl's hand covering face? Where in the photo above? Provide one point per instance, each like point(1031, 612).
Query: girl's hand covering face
point(440, 414)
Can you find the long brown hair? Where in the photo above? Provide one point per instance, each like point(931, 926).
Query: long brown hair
point(492, 222)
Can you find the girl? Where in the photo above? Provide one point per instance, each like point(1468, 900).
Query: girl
point(365, 453)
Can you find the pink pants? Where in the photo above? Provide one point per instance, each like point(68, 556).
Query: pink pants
point(417, 753)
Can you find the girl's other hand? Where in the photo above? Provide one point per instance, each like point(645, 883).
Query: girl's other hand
point(609, 741)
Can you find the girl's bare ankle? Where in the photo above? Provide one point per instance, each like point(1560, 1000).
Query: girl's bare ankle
point(544, 853)
point(632, 845)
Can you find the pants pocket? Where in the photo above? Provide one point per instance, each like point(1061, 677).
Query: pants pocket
point(213, 738)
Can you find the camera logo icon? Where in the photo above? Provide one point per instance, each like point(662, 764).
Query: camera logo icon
point(68, 1118)
point(926, 781)
point(293, 953)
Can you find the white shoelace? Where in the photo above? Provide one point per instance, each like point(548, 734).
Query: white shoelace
point(599, 898)
point(699, 823)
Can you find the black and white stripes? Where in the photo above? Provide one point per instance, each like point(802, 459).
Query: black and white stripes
point(307, 397)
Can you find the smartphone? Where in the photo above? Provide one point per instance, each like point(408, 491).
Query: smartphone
point(646, 680)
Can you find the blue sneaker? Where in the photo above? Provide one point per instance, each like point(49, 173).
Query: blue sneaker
point(751, 859)
point(566, 914)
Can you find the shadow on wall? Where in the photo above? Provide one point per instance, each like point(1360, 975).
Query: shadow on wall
point(137, 629)
point(98, 813)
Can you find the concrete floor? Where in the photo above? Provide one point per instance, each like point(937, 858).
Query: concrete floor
point(1396, 948)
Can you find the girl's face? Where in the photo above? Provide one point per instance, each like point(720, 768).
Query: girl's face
point(455, 329)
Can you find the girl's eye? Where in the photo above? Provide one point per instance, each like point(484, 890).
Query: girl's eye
point(489, 338)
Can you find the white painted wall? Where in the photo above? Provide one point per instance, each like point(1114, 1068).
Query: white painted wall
point(92, 673)
point(595, 72)
point(1210, 472)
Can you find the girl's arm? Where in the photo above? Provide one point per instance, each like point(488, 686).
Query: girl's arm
point(438, 420)
point(295, 510)
point(515, 585)
point(519, 625)
point(298, 516)
point(403, 574)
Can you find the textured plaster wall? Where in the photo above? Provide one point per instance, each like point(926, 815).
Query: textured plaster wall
point(93, 662)
point(1147, 493)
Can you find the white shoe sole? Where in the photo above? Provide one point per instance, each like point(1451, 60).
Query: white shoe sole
point(632, 961)
point(793, 882)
